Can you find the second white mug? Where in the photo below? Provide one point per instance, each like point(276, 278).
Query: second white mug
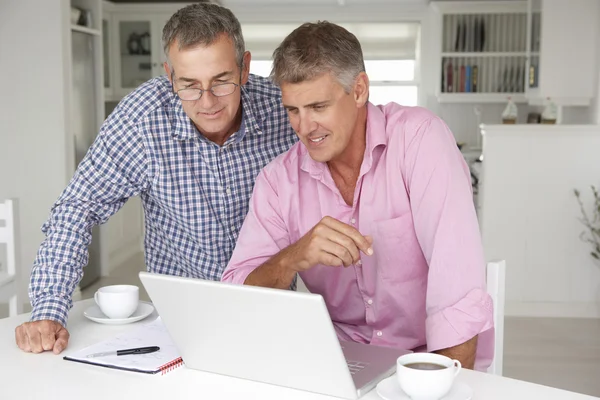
point(118, 301)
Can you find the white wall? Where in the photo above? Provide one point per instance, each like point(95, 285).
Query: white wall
point(33, 150)
point(529, 216)
point(595, 107)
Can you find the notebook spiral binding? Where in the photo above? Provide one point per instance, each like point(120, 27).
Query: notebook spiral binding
point(171, 366)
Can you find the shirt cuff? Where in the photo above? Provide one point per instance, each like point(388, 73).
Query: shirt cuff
point(236, 276)
point(51, 308)
point(470, 316)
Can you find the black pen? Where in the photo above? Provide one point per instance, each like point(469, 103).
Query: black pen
point(126, 352)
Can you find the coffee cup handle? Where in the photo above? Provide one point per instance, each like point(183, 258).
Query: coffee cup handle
point(96, 298)
point(458, 366)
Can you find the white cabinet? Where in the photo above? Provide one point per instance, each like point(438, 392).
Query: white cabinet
point(483, 51)
point(528, 50)
point(568, 51)
point(133, 53)
point(85, 104)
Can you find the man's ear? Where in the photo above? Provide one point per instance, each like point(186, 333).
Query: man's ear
point(168, 71)
point(361, 89)
point(245, 68)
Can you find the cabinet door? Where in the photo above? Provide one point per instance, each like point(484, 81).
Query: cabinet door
point(158, 25)
point(107, 52)
point(568, 61)
point(138, 52)
point(134, 52)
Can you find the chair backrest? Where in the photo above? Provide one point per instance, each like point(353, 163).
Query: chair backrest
point(496, 275)
point(9, 271)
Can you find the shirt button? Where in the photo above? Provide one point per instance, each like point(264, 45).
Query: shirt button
point(379, 333)
point(359, 262)
point(352, 221)
point(369, 302)
point(228, 191)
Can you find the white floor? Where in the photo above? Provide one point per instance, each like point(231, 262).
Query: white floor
point(557, 352)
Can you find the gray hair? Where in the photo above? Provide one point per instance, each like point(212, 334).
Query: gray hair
point(313, 49)
point(202, 24)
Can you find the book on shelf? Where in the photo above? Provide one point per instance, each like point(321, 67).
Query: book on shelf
point(467, 79)
point(460, 78)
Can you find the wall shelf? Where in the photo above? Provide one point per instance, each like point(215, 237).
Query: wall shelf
point(498, 98)
point(485, 54)
point(85, 29)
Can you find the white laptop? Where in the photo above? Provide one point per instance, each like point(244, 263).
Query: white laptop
point(274, 336)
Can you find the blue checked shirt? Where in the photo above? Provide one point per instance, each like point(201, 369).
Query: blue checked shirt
point(195, 193)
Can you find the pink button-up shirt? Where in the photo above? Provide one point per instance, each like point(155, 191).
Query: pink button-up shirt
point(424, 286)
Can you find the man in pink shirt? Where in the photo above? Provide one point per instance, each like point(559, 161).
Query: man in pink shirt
point(372, 208)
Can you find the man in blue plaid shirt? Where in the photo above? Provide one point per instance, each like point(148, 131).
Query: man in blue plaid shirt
point(190, 144)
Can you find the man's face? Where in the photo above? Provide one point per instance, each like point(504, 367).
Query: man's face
point(323, 115)
point(204, 67)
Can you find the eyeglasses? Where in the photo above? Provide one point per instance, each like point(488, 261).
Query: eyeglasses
point(223, 89)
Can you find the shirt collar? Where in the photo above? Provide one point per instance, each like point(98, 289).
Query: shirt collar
point(184, 128)
point(375, 136)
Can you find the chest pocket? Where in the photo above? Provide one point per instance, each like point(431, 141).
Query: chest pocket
point(396, 249)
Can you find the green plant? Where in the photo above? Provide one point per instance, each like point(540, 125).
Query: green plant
point(592, 223)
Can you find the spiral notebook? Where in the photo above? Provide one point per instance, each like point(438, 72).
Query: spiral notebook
point(151, 334)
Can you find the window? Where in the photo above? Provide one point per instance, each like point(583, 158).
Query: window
point(261, 67)
point(389, 50)
point(390, 80)
point(404, 95)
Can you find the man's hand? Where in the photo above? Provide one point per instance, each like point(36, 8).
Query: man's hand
point(39, 336)
point(330, 242)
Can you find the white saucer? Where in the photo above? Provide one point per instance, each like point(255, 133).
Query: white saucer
point(95, 314)
point(389, 389)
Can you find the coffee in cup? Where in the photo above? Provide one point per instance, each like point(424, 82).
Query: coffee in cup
point(426, 376)
point(118, 301)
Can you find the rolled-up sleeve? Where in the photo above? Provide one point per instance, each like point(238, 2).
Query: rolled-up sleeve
point(457, 304)
point(263, 233)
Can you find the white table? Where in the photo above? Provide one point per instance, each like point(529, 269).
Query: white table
point(47, 376)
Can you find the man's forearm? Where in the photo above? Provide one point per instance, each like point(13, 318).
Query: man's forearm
point(275, 273)
point(465, 353)
point(59, 263)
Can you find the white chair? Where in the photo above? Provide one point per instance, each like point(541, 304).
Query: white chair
point(496, 273)
point(8, 271)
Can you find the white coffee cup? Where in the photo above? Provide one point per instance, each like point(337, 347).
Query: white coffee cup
point(118, 301)
point(426, 384)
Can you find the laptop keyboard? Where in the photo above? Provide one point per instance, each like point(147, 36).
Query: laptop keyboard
point(356, 366)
